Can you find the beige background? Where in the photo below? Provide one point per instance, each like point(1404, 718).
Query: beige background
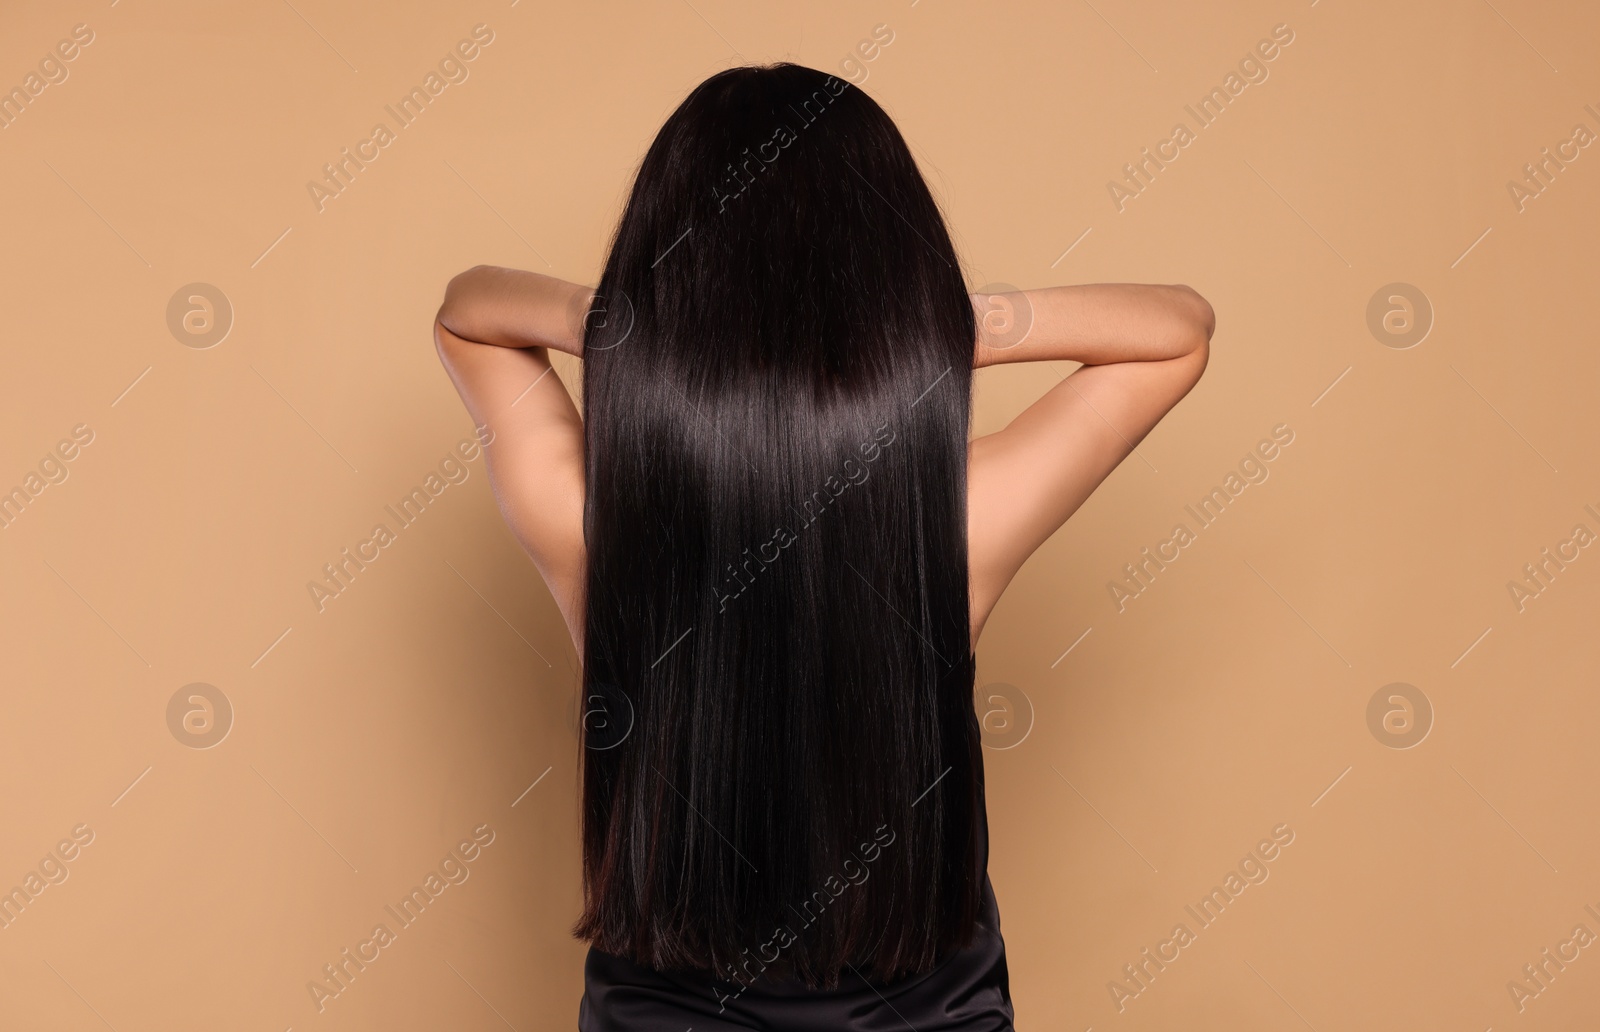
point(371, 737)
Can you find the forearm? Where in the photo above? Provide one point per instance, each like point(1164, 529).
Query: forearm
point(513, 308)
point(1095, 324)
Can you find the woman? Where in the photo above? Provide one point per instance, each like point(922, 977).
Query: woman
point(775, 549)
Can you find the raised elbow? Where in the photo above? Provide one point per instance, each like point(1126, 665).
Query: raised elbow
point(1198, 314)
point(1201, 356)
point(1206, 317)
point(451, 308)
point(441, 341)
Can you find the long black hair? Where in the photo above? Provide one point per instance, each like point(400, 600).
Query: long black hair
point(782, 765)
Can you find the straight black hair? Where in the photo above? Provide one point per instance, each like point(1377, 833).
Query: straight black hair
point(782, 765)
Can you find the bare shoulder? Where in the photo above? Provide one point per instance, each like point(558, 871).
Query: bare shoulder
point(1025, 481)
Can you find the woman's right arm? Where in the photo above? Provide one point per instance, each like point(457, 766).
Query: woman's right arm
point(1095, 324)
point(1142, 348)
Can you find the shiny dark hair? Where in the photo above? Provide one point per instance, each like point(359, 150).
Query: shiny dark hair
point(781, 762)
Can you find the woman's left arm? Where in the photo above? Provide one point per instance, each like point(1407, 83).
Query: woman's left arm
point(491, 333)
point(513, 308)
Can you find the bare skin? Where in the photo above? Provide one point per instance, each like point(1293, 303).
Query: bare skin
point(1142, 347)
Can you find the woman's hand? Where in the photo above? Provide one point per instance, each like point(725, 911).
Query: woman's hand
point(513, 308)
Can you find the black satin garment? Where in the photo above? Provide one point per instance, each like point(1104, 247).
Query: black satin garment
point(968, 992)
